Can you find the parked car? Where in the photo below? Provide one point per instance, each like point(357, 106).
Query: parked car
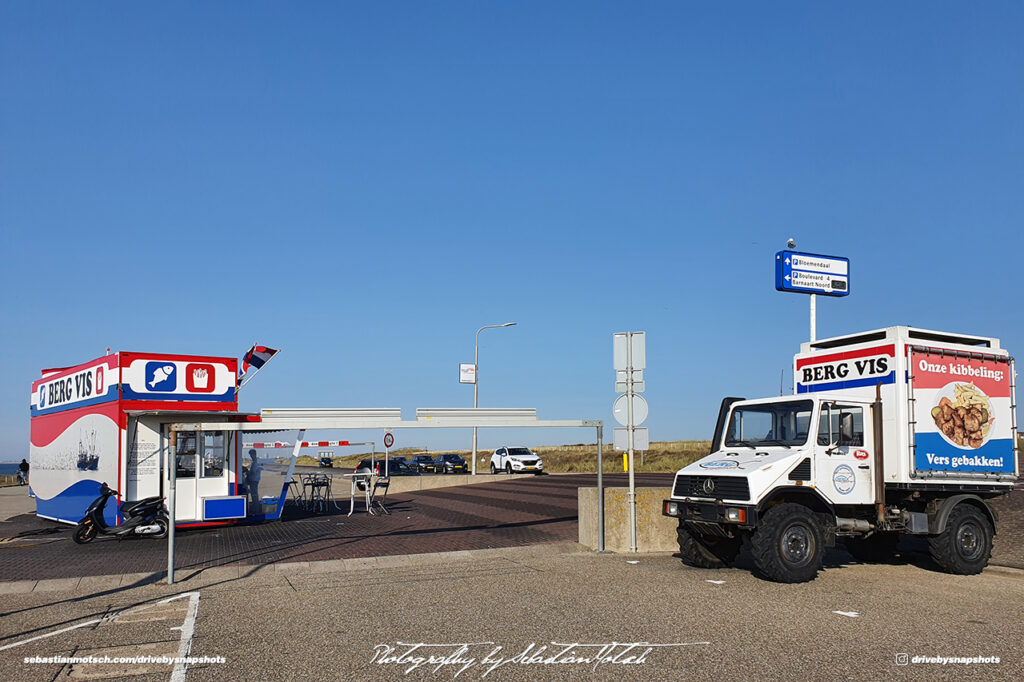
point(516, 460)
point(450, 463)
point(423, 463)
point(326, 463)
point(397, 466)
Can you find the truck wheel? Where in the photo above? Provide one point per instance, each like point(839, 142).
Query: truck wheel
point(701, 551)
point(789, 544)
point(878, 547)
point(965, 546)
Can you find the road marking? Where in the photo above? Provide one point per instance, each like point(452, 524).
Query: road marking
point(108, 617)
point(716, 582)
point(848, 614)
point(188, 629)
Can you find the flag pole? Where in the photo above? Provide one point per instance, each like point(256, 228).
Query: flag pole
point(247, 378)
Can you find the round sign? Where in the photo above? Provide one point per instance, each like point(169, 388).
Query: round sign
point(389, 440)
point(621, 410)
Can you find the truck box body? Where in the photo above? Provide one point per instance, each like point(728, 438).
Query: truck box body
point(917, 370)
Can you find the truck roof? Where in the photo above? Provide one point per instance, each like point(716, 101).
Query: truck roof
point(900, 333)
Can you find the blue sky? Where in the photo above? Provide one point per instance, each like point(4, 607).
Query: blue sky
point(366, 184)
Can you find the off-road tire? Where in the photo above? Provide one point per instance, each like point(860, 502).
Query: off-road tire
point(702, 551)
point(788, 545)
point(876, 548)
point(84, 533)
point(964, 547)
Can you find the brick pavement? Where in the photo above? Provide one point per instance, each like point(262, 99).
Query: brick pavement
point(526, 511)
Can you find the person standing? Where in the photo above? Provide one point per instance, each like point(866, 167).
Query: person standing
point(252, 482)
point(23, 472)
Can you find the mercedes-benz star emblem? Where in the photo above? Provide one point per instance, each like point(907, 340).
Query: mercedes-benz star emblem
point(709, 485)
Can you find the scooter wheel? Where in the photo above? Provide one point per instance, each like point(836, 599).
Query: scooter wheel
point(162, 522)
point(84, 533)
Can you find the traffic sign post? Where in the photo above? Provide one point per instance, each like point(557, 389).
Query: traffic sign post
point(629, 351)
point(812, 273)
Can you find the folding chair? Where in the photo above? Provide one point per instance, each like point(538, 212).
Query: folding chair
point(382, 483)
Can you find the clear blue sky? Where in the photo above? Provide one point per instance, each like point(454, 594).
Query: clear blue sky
point(365, 184)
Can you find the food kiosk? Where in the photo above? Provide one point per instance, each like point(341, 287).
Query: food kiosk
point(108, 421)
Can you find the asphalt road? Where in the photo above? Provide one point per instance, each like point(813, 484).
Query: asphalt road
point(853, 622)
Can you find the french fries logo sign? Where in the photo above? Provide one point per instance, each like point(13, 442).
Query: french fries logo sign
point(963, 414)
point(163, 378)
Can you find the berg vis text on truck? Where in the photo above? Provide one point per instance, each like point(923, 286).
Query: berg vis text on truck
point(890, 432)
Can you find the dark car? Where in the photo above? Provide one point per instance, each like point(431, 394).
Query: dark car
point(397, 466)
point(326, 463)
point(423, 463)
point(450, 463)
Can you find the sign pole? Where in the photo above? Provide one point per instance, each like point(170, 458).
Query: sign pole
point(172, 471)
point(814, 318)
point(629, 403)
point(600, 491)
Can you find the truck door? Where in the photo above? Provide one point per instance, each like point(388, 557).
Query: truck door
point(845, 453)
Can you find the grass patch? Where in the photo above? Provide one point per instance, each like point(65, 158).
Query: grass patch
point(663, 457)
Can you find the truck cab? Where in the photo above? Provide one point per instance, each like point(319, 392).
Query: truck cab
point(789, 475)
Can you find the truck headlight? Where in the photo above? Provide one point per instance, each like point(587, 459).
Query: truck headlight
point(735, 515)
point(670, 508)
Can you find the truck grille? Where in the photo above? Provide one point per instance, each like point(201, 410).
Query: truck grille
point(712, 487)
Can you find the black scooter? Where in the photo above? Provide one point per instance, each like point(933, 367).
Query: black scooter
point(146, 517)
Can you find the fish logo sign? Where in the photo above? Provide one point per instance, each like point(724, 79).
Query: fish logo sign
point(161, 376)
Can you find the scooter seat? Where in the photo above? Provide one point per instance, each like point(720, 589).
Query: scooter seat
point(127, 507)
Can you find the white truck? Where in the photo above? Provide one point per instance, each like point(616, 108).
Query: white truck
point(889, 432)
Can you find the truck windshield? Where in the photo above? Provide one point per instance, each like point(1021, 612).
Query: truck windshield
point(783, 424)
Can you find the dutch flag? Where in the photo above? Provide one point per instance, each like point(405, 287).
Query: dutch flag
point(257, 357)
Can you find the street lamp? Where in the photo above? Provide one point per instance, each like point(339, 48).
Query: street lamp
point(476, 378)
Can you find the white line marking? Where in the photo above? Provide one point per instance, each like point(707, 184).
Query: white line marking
point(188, 628)
point(108, 617)
point(716, 582)
point(51, 634)
point(632, 562)
point(848, 614)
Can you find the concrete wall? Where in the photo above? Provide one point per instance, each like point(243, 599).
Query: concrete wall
point(654, 532)
point(403, 484)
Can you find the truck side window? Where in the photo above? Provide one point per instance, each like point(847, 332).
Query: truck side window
point(847, 426)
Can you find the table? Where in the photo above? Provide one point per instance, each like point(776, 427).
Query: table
point(355, 479)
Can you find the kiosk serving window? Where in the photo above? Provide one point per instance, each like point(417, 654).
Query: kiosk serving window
point(214, 454)
point(185, 457)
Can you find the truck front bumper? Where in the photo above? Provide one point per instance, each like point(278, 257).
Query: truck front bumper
point(695, 511)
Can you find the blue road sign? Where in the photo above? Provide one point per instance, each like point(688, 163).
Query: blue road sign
point(812, 273)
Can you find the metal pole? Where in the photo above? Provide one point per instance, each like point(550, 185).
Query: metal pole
point(172, 471)
point(629, 427)
point(476, 377)
point(814, 318)
point(476, 383)
point(600, 491)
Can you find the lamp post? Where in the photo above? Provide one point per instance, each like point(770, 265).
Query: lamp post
point(476, 378)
